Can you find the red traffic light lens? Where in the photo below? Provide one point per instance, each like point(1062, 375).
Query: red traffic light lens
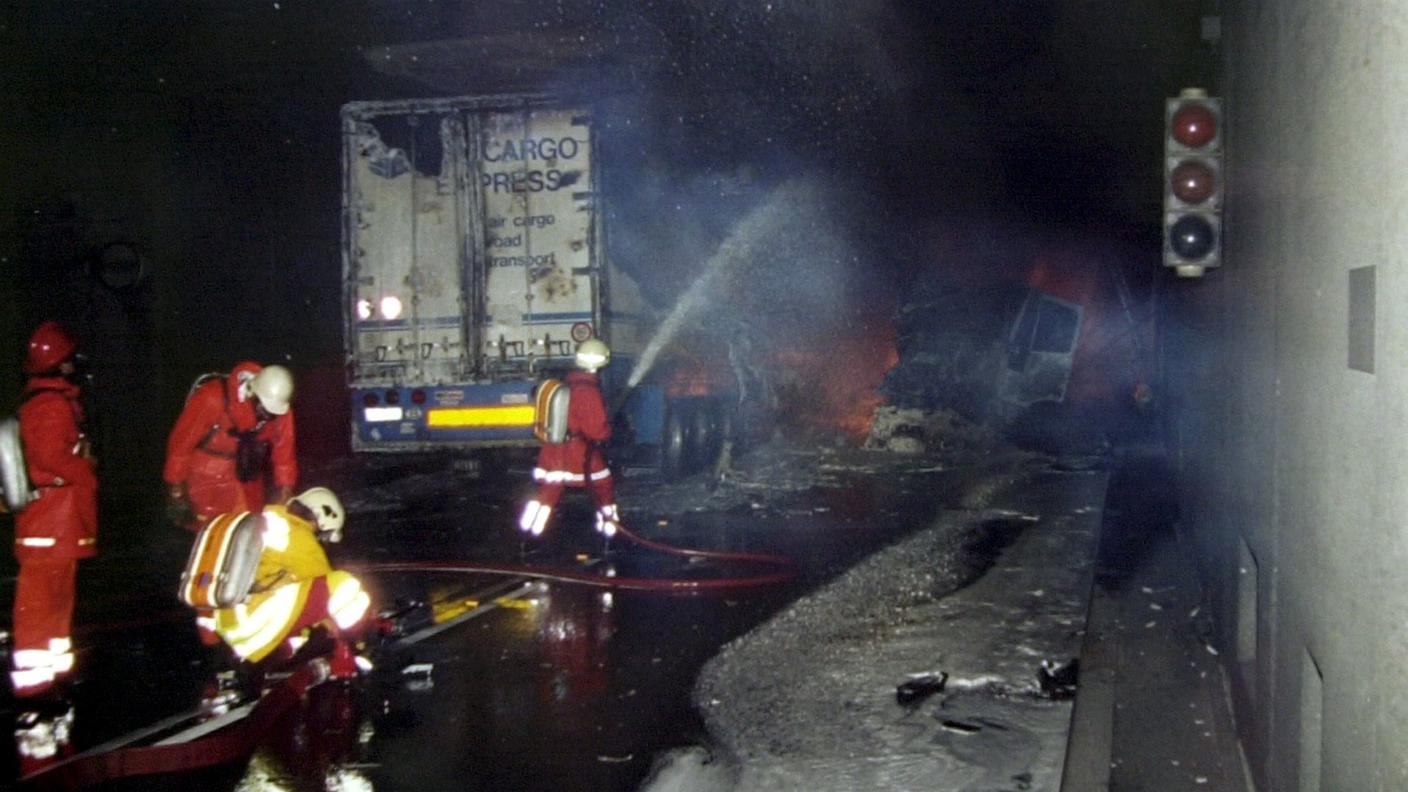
point(370, 399)
point(1191, 237)
point(418, 396)
point(1193, 125)
point(1192, 181)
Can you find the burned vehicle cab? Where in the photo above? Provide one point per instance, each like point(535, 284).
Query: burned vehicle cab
point(1055, 354)
point(1041, 350)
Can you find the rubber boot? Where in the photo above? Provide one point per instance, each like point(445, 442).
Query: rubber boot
point(42, 731)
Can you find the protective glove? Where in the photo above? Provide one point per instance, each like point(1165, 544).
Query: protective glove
point(178, 509)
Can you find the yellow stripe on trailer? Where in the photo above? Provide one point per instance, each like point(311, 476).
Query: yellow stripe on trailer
point(504, 415)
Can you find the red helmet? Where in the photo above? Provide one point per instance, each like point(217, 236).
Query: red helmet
point(50, 345)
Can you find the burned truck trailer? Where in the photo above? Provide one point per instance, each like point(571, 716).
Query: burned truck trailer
point(474, 262)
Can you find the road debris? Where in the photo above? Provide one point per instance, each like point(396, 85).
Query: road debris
point(920, 687)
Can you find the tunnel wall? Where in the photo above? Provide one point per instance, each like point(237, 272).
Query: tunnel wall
point(207, 140)
point(1288, 370)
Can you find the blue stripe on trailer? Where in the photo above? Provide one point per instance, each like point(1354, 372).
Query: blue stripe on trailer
point(407, 324)
point(556, 318)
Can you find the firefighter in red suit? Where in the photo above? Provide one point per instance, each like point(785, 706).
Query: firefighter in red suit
point(578, 462)
point(54, 530)
point(232, 433)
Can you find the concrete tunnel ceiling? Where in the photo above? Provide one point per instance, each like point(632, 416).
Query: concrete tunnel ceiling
point(1054, 111)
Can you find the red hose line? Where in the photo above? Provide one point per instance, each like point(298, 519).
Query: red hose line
point(239, 739)
point(231, 743)
point(723, 555)
point(587, 578)
point(133, 624)
point(786, 570)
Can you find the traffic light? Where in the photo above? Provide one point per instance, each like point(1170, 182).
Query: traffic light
point(1192, 183)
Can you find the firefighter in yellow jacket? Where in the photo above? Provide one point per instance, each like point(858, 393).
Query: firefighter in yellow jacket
point(295, 587)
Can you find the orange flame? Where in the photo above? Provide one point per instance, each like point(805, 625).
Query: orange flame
point(841, 378)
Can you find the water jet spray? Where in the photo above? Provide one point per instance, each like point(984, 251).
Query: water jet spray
point(763, 222)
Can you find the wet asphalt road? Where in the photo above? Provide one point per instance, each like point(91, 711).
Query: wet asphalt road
point(560, 687)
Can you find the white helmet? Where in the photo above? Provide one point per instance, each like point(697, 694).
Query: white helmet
point(592, 354)
point(326, 509)
point(274, 387)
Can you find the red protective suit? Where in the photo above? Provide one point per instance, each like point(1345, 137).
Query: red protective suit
point(201, 450)
point(577, 462)
point(55, 530)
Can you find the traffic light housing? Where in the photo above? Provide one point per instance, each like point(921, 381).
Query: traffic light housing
point(1192, 183)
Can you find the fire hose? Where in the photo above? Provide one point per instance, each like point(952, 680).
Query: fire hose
point(226, 745)
point(240, 738)
point(784, 570)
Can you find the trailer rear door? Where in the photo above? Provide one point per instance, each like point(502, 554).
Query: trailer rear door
point(535, 171)
point(409, 245)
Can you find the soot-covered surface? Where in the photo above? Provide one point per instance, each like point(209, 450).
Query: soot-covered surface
point(984, 594)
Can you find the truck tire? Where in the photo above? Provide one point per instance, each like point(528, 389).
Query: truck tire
point(674, 441)
point(704, 434)
point(728, 424)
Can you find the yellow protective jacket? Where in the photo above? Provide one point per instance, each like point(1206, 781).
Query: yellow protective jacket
point(291, 561)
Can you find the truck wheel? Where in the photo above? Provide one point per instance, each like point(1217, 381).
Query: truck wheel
point(728, 425)
point(674, 441)
point(704, 434)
